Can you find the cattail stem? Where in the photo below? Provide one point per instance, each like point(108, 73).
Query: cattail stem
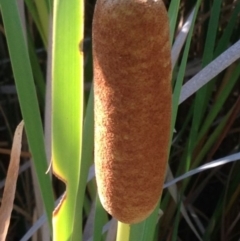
point(123, 232)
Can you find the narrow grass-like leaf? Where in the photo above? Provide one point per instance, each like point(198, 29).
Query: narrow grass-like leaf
point(181, 38)
point(86, 158)
point(42, 10)
point(224, 40)
point(182, 68)
point(31, 7)
point(203, 95)
point(212, 32)
point(220, 101)
point(35, 15)
point(89, 223)
point(99, 220)
point(212, 164)
point(210, 71)
point(211, 140)
point(173, 14)
point(27, 97)
point(176, 222)
point(37, 73)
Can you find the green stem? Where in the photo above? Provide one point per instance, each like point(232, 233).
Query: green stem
point(123, 232)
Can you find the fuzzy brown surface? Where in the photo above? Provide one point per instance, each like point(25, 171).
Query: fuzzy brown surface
point(132, 91)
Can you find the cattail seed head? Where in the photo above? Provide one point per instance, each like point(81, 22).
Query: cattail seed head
point(132, 98)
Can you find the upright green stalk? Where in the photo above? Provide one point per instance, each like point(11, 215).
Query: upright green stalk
point(67, 110)
point(123, 232)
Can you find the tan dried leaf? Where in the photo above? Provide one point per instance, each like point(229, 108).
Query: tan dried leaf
point(10, 185)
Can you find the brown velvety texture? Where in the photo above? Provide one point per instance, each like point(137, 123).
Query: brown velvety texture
point(132, 91)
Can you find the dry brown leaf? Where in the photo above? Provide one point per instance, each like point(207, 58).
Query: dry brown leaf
point(11, 180)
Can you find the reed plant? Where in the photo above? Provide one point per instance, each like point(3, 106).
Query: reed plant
point(47, 75)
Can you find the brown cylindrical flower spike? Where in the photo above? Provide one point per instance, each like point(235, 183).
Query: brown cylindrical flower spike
point(132, 91)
